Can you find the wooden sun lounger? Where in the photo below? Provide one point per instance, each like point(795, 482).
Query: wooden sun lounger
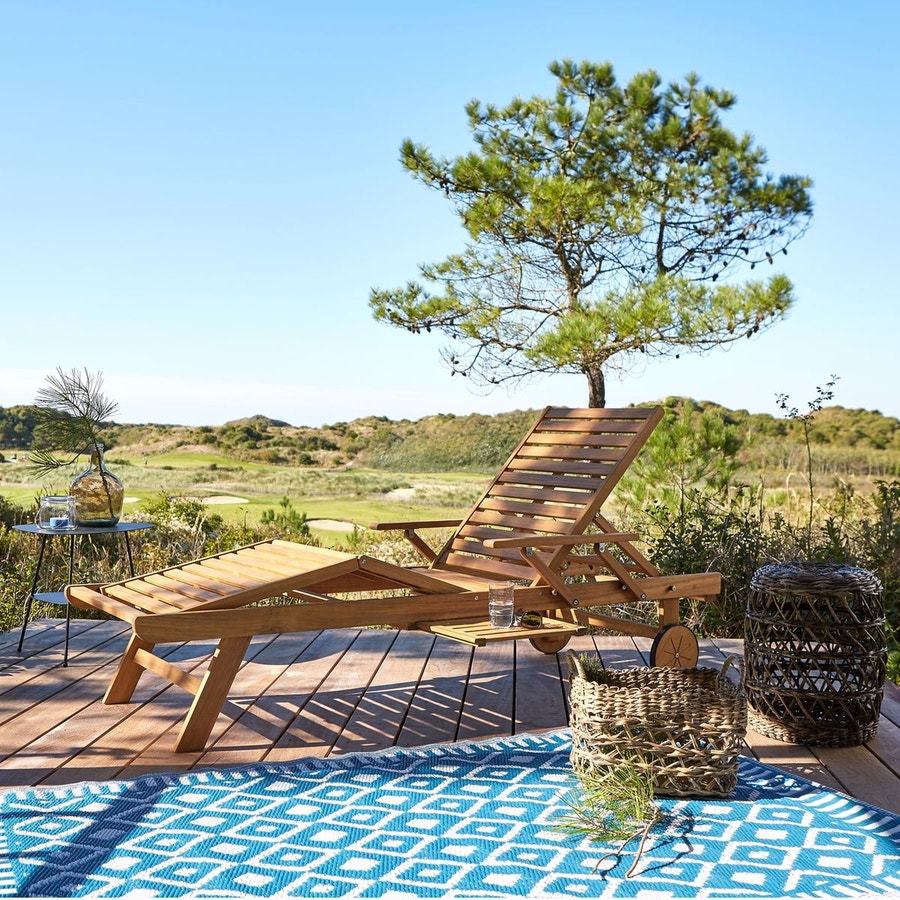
point(538, 523)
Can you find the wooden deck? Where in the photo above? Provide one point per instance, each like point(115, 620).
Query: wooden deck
point(334, 692)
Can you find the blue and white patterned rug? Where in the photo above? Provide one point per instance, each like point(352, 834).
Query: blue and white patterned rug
point(461, 820)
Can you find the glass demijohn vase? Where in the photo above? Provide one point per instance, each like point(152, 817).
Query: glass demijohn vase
point(98, 493)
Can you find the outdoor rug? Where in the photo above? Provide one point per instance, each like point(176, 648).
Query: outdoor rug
point(462, 820)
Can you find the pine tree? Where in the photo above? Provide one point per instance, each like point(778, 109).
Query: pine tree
point(602, 223)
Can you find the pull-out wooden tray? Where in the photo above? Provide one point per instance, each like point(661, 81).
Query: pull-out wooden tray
point(479, 632)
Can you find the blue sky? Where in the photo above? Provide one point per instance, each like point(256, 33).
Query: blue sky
point(196, 197)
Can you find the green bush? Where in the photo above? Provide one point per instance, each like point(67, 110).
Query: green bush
point(288, 520)
point(681, 499)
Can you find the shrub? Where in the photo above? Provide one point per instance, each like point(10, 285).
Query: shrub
point(288, 521)
point(681, 499)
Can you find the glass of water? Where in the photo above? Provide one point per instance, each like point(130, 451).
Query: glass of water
point(501, 604)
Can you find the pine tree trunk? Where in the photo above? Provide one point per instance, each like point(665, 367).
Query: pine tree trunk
point(596, 388)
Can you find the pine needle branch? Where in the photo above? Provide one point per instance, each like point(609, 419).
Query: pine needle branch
point(71, 409)
point(614, 805)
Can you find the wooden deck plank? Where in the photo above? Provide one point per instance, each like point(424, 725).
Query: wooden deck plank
point(436, 707)
point(50, 634)
point(379, 716)
point(67, 691)
point(540, 695)
point(890, 704)
point(861, 775)
point(487, 709)
point(795, 759)
point(327, 712)
point(93, 741)
point(325, 693)
point(886, 743)
point(37, 675)
point(294, 692)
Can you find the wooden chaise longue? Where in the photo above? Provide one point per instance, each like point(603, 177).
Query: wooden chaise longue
point(538, 523)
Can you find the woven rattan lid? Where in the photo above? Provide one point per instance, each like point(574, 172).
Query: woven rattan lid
point(814, 578)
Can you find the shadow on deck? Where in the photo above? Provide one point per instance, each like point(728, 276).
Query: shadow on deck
point(334, 692)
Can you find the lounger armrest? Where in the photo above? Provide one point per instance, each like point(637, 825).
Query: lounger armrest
point(562, 540)
point(412, 526)
point(409, 532)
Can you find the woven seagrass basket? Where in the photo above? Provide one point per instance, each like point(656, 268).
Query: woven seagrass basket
point(684, 728)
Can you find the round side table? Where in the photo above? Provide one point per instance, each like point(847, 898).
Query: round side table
point(58, 597)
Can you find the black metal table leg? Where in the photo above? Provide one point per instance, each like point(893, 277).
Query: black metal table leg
point(68, 606)
point(130, 558)
point(34, 583)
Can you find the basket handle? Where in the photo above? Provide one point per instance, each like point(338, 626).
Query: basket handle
point(575, 666)
point(727, 665)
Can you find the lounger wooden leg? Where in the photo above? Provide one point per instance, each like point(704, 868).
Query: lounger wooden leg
point(129, 672)
point(214, 688)
point(669, 612)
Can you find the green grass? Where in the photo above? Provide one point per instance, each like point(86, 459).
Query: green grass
point(198, 460)
point(22, 496)
point(356, 496)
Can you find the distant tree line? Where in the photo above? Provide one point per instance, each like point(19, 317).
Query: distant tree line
point(17, 427)
point(848, 440)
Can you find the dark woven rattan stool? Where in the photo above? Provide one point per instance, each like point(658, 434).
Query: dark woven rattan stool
point(815, 654)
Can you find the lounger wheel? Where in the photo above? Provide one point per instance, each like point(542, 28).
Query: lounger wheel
point(549, 643)
point(675, 646)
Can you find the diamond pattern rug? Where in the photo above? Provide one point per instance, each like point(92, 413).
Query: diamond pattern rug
point(463, 820)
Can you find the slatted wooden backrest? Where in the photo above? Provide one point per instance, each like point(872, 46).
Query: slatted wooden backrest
point(555, 481)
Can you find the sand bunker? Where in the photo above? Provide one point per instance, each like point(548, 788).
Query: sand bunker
point(223, 498)
point(401, 494)
point(330, 524)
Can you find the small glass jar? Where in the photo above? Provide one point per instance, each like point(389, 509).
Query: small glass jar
point(56, 513)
